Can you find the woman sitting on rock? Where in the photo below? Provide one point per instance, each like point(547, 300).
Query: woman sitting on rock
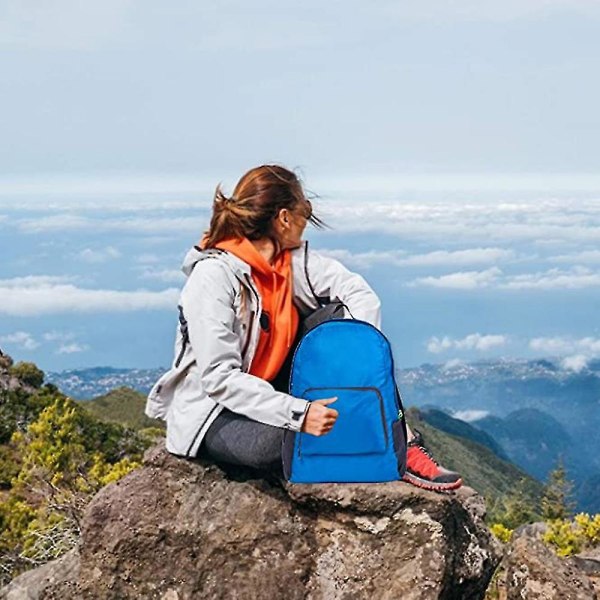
point(225, 397)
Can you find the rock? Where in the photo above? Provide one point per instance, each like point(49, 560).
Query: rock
point(531, 570)
point(589, 562)
point(6, 362)
point(532, 530)
point(7, 380)
point(32, 584)
point(179, 530)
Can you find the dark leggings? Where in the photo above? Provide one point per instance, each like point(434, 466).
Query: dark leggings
point(235, 439)
point(238, 440)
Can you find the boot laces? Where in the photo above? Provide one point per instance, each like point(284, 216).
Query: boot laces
point(418, 441)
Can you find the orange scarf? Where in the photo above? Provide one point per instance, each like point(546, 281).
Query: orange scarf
point(275, 286)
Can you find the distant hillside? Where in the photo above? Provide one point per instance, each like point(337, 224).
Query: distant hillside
point(536, 410)
point(84, 384)
point(443, 421)
point(124, 406)
point(533, 440)
point(480, 467)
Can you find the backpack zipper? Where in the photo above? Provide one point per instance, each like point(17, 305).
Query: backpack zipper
point(185, 335)
point(370, 388)
point(252, 315)
point(247, 343)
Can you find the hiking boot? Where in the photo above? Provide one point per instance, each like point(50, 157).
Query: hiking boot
point(424, 472)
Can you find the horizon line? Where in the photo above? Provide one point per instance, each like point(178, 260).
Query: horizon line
point(111, 182)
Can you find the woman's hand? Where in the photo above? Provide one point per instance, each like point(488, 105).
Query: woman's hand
point(319, 419)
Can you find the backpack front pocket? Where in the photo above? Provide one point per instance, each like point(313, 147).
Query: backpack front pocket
point(359, 429)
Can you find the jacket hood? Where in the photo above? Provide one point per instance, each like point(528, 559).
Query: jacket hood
point(239, 266)
point(196, 254)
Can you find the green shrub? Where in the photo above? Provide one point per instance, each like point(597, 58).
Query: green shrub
point(54, 456)
point(572, 536)
point(504, 534)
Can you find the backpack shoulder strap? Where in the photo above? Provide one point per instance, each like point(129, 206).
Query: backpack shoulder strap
point(323, 301)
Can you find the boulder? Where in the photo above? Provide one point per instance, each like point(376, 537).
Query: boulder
point(531, 569)
point(589, 562)
point(176, 529)
point(33, 584)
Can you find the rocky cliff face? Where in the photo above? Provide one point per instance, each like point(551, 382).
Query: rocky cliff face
point(177, 530)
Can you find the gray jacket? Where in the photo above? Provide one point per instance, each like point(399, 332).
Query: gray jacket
point(218, 335)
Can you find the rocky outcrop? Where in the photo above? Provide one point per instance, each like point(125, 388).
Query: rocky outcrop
point(8, 381)
point(589, 562)
point(31, 585)
point(177, 529)
point(530, 569)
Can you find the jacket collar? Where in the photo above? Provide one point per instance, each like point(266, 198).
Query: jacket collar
point(238, 266)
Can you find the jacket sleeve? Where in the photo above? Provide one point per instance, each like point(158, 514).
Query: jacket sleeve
point(329, 277)
point(207, 300)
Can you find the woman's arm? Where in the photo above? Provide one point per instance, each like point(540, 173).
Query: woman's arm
point(208, 305)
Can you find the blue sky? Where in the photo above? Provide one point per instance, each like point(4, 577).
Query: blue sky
point(454, 147)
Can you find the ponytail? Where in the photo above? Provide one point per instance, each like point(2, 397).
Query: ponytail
point(256, 201)
point(225, 221)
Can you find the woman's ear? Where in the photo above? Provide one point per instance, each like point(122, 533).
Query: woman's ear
point(284, 216)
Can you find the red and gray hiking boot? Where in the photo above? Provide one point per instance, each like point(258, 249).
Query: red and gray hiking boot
point(424, 472)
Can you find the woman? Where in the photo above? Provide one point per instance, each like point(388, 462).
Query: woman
point(250, 281)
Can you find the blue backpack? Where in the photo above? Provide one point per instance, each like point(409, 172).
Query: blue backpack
point(350, 359)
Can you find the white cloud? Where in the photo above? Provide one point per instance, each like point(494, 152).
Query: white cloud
point(577, 277)
point(57, 191)
point(39, 295)
point(166, 275)
point(588, 346)
point(453, 363)
point(71, 348)
point(57, 336)
point(363, 260)
point(464, 280)
point(470, 415)
point(585, 256)
point(575, 363)
point(473, 341)
point(71, 222)
point(488, 225)
point(459, 257)
point(21, 339)
point(470, 222)
point(100, 255)
point(66, 342)
point(32, 281)
point(147, 259)
point(396, 183)
point(61, 222)
point(399, 258)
